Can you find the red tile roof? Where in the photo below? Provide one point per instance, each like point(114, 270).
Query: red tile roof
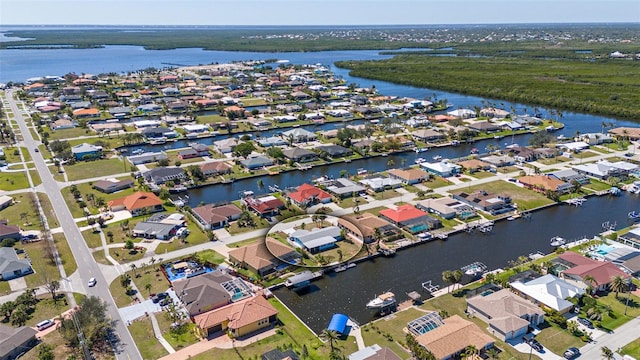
point(306, 192)
point(238, 314)
point(601, 271)
point(90, 111)
point(138, 200)
point(403, 213)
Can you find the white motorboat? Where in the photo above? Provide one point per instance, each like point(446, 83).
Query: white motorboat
point(382, 301)
point(557, 241)
point(420, 160)
point(437, 158)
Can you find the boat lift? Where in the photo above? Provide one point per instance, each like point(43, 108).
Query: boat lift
point(428, 286)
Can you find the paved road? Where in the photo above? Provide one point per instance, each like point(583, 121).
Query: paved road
point(615, 340)
point(86, 265)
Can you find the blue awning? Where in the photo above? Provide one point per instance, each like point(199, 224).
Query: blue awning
point(338, 323)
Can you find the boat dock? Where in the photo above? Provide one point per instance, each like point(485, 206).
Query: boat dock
point(303, 279)
point(428, 286)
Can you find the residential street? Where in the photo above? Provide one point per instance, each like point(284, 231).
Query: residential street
point(86, 265)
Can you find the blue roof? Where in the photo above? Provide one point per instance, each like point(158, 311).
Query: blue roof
point(338, 323)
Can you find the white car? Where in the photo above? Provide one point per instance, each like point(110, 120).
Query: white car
point(92, 282)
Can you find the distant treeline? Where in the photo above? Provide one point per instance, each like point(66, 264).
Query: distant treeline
point(610, 87)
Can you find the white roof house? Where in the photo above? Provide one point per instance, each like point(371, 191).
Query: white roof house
point(379, 183)
point(574, 146)
point(443, 168)
point(299, 135)
point(462, 113)
point(549, 291)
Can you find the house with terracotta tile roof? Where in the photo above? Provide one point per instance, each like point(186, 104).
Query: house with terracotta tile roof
point(508, 315)
point(307, 195)
point(409, 176)
point(410, 218)
point(215, 217)
point(363, 226)
point(544, 183)
point(264, 258)
point(86, 113)
point(450, 339)
point(240, 319)
point(138, 203)
point(264, 206)
point(581, 267)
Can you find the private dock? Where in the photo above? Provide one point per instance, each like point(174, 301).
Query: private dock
point(429, 287)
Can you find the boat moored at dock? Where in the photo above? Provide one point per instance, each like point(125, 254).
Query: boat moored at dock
point(382, 301)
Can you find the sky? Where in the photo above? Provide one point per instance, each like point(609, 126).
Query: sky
point(313, 12)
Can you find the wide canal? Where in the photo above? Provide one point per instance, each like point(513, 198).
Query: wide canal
point(347, 292)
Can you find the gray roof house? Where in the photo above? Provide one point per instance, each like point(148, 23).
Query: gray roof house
point(316, 240)
point(344, 187)
point(569, 175)
point(299, 154)
point(16, 341)
point(147, 157)
point(335, 150)
point(163, 174)
point(155, 230)
point(256, 162)
point(11, 266)
point(202, 293)
point(299, 135)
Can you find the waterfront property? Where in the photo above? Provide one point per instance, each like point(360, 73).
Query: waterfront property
point(264, 206)
point(256, 162)
point(411, 219)
point(604, 169)
point(299, 155)
point(86, 151)
point(544, 183)
point(447, 208)
point(569, 176)
point(549, 291)
point(580, 269)
point(409, 176)
point(239, 319)
point(138, 203)
point(508, 315)
point(368, 227)
point(307, 195)
point(442, 168)
point(453, 337)
point(482, 200)
point(317, 239)
point(215, 217)
point(147, 157)
point(264, 258)
point(343, 188)
point(160, 175)
point(379, 183)
point(215, 168)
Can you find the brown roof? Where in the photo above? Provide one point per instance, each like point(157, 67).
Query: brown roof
point(238, 314)
point(544, 181)
point(473, 164)
point(203, 291)
point(366, 223)
point(601, 271)
point(409, 174)
point(215, 214)
point(9, 229)
point(452, 337)
point(505, 309)
point(258, 255)
point(215, 166)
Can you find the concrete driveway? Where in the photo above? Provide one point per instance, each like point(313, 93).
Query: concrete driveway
point(132, 312)
point(524, 348)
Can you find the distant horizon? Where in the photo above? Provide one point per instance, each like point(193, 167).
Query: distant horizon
point(314, 12)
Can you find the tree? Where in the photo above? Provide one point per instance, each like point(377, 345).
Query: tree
point(7, 308)
point(128, 245)
point(447, 276)
point(340, 255)
point(52, 287)
point(243, 149)
point(196, 173)
point(91, 319)
point(618, 284)
point(331, 336)
point(493, 353)
point(469, 351)
point(606, 353)
point(147, 287)
point(20, 315)
point(456, 276)
point(133, 268)
point(590, 280)
point(45, 352)
point(109, 235)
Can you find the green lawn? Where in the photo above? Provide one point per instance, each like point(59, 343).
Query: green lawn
point(387, 194)
point(526, 199)
point(177, 341)
point(556, 339)
point(245, 242)
point(68, 261)
point(23, 206)
point(617, 306)
point(123, 256)
point(119, 293)
point(69, 133)
point(42, 264)
point(632, 349)
point(35, 177)
point(97, 168)
point(387, 332)
point(86, 189)
point(13, 180)
point(5, 289)
point(196, 236)
point(48, 210)
point(596, 185)
point(437, 182)
point(234, 228)
point(47, 309)
point(60, 350)
point(210, 256)
point(149, 275)
point(142, 333)
point(482, 174)
point(351, 202)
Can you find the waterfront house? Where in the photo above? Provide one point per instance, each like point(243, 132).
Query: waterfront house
point(307, 195)
point(473, 165)
point(317, 239)
point(147, 157)
point(187, 154)
point(379, 183)
point(299, 135)
point(581, 267)
point(215, 217)
point(631, 133)
point(526, 120)
point(111, 186)
point(158, 132)
point(428, 135)
point(334, 151)
point(363, 226)
point(86, 151)
point(549, 291)
point(603, 169)
point(409, 176)
point(14, 342)
point(569, 176)
point(522, 154)
point(196, 129)
point(492, 112)
point(201, 149)
point(160, 175)
point(596, 138)
point(226, 145)
point(342, 187)
point(300, 155)
point(238, 319)
point(271, 141)
point(11, 266)
point(264, 258)
point(442, 168)
point(499, 160)
point(462, 113)
point(256, 162)
point(574, 146)
point(373, 352)
point(138, 203)
point(450, 339)
point(508, 315)
point(484, 126)
point(203, 293)
point(410, 218)
point(485, 201)
point(544, 183)
point(215, 168)
point(447, 208)
point(264, 206)
point(9, 231)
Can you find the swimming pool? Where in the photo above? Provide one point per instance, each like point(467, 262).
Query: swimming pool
point(185, 270)
point(603, 249)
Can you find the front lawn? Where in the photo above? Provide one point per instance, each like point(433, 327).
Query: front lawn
point(557, 339)
point(437, 182)
point(178, 339)
point(13, 180)
point(387, 332)
point(142, 332)
point(96, 168)
point(351, 202)
point(66, 256)
point(618, 306)
point(46, 308)
point(22, 213)
point(632, 349)
point(42, 263)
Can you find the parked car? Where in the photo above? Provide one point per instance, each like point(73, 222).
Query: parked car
point(571, 353)
point(586, 322)
point(44, 324)
point(166, 301)
point(536, 345)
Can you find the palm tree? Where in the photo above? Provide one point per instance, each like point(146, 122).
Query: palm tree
point(456, 276)
point(133, 268)
point(618, 284)
point(606, 353)
point(493, 353)
point(147, 287)
point(447, 276)
point(469, 351)
point(331, 336)
point(590, 280)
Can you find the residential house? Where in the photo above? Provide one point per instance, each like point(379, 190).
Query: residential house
point(161, 175)
point(9, 231)
point(485, 201)
point(462, 113)
point(380, 183)
point(549, 291)
point(473, 165)
point(596, 138)
point(215, 168)
point(158, 132)
point(428, 135)
point(582, 268)
point(138, 203)
point(5, 201)
point(155, 230)
point(240, 318)
point(366, 227)
point(62, 124)
point(374, 352)
point(307, 195)
point(111, 186)
point(451, 339)
point(86, 113)
point(225, 146)
point(335, 151)
point(522, 154)
point(187, 154)
point(201, 149)
point(264, 258)
point(203, 293)
point(147, 157)
point(317, 239)
point(14, 342)
point(484, 126)
point(499, 160)
point(277, 354)
point(264, 206)
point(299, 155)
point(508, 315)
point(11, 266)
point(299, 135)
point(447, 208)
point(569, 176)
point(120, 111)
point(442, 168)
point(494, 113)
point(343, 188)
point(409, 176)
point(214, 217)
point(256, 162)
point(271, 141)
point(603, 169)
point(86, 151)
point(410, 218)
point(544, 183)
point(631, 133)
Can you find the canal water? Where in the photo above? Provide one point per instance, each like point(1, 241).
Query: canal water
point(348, 291)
